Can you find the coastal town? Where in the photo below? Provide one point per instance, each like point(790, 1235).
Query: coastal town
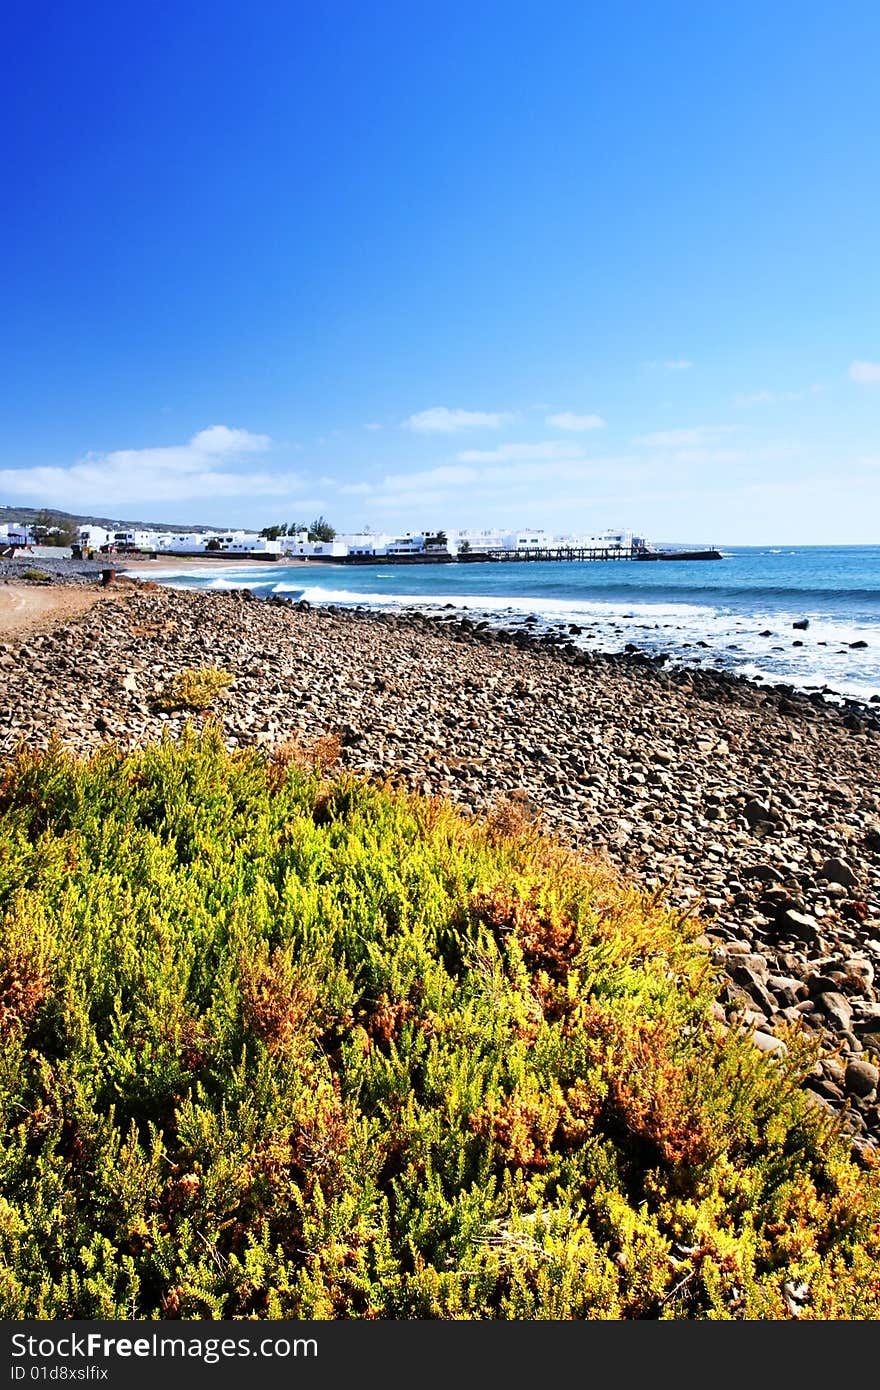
point(320, 541)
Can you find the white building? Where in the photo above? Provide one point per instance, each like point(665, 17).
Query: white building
point(93, 537)
point(365, 542)
point(132, 539)
point(189, 542)
point(307, 549)
point(481, 541)
point(15, 533)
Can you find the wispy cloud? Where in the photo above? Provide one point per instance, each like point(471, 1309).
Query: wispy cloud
point(355, 489)
point(767, 397)
point(204, 467)
point(568, 420)
point(684, 439)
point(868, 373)
point(441, 420)
point(550, 450)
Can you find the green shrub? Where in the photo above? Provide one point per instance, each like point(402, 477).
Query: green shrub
point(35, 576)
point(278, 1046)
point(193, 689)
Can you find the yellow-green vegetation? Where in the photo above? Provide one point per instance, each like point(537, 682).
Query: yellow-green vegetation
point(35, 576)
point(193, 689)
point(281, 1046)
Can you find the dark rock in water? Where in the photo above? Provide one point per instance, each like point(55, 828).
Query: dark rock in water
point(802, 623)
point(575, 629)
point(765, 633)
point(303, 606)
point(860, 643)
point(797, 642)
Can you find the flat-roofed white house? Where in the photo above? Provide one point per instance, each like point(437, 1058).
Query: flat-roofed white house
point(311, 549)
point(93, 537)
point(481, 541)
point(133, 539)
point(15, 533)
point(190, 542)
point(249, 542)
point(365, 542)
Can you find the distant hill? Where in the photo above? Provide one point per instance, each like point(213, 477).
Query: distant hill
point(27, 516)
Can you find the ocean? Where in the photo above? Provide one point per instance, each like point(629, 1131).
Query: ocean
point(738, 612)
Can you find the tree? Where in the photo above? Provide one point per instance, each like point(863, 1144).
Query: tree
point(464, 548)
point(213, 544)
point(273, 533)
point(321, 530)
point(50, 528)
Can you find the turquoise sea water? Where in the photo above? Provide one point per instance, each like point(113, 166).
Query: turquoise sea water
point(724, 605)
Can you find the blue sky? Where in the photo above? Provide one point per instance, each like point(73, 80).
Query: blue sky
point(567, 265)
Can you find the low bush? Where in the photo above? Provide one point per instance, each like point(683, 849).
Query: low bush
point(283, 1047)
point(193, 689)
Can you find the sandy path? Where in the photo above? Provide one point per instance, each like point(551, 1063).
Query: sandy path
point(36, 607)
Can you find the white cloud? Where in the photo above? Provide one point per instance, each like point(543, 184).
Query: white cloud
point(202, 469)
point(441, 420)
point(765, 397)
point(219, 439)
point(684, 439)
point(549, 451)
point(567, 420)
point(355, 489)
point(868, 373)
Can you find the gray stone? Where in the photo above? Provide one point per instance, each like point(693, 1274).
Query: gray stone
point(765, 1042)
point(837, 1008)
point(838, 871)
point(862, 1078)
point(792, 923)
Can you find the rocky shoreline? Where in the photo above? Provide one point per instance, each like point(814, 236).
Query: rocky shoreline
point(58, 570)
point(756, 806)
